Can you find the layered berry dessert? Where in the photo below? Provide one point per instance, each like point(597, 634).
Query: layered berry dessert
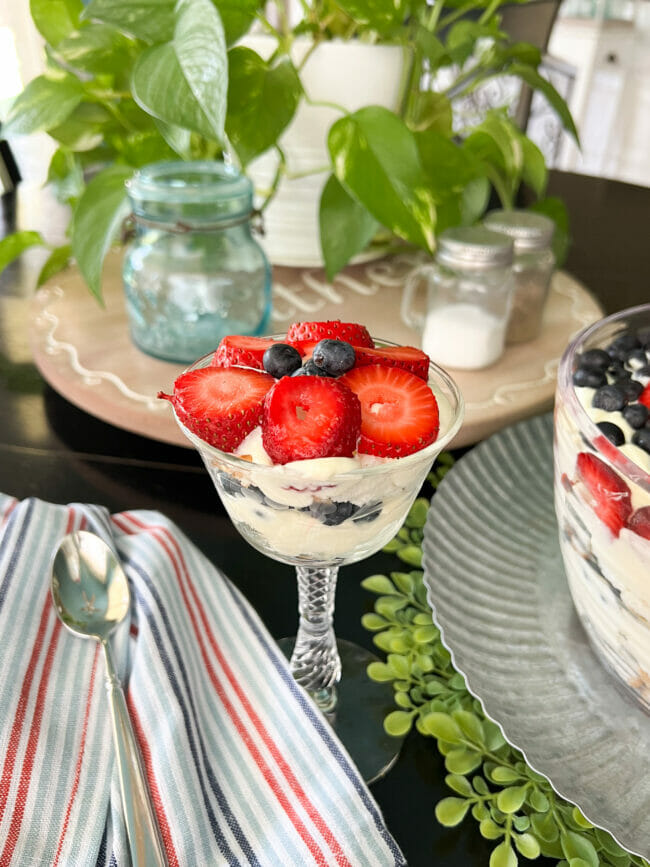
point(317, 440)
point(602, 489)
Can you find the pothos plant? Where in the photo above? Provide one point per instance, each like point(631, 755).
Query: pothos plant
point(130, 82)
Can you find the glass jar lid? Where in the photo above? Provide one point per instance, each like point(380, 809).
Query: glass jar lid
point(474, 247)
point(528, 230)
point(192, 194)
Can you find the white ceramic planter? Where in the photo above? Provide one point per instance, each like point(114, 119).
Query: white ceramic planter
point(349, 74)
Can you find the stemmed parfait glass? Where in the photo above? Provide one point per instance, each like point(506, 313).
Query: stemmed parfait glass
point(318, 516)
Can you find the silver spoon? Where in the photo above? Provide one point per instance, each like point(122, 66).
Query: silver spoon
point(91, 596)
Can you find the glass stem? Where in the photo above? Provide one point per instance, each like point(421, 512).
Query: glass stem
point(315, 661)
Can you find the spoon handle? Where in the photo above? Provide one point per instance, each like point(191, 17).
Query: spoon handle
point(139, 818)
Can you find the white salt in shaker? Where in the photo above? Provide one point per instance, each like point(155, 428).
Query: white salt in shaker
point(470, 287)
point(533, 267)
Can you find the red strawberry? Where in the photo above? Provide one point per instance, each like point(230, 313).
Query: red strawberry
point(220, 405)
point(237, 350)
point(351, 332)
point(611, 495)
point(640, 522)
point(399, 412)
point(310, 417)
point(304, 347)
point(644, 397)
point(407, 357)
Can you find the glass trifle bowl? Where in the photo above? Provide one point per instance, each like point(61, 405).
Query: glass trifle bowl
point(602, 490)
point(318, 515)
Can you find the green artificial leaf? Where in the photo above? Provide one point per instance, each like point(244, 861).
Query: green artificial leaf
point(505, 775)
point(346, 228)
point(98, 49)
point(55, 19)
point(608, 843)
point(403, 581)
point(96, 220)
point(462, 761)
point(56, 262)
point(470, 725)
point(43, 104)
point(388, 606)
point(237, 16)
point(443, 727)
point(399, 665)
point(490, 830)
point(538, 801)
point(13, 245)
point(534, 171)
point(460, 784)
point(149, 20)
point(398, 723)
point(527, 846)
point(379, 584)
point(380, 672)
point(452, 811)
point(575, 845)
point(580, 820)
point(161, 89)
point(411, 554)
point(84, 128)
point(375, 157)
point(511, 799)
point(200, 48)
point(262, 100)
point(503, 856)
point(557, 103)
point(373, 622)
point(544, 826)
point(430, 110)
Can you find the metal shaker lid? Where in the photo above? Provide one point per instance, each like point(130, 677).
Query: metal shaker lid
point(528, 230)
point(474, 247)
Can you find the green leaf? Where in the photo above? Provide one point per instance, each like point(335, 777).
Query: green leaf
point(452, 811)
point(237, 16)
point(55, 19)
point(608, 843)
point(373, 622)
point(470, 725)
point(534, 171)
point(262, 100)
point(430, 110)
point(411, 554)
point(96, 220)
point(545, 827)
point(380, 672)
point(13, 245)
point(381, 15)
point(84, 128)
point(200, 48)
point(510, 800)
point(443, 727)
point(538, 801)
point(388, 606)
point(462, 761)
point(375, 157)
point(399, 665)
point(448, 167)
point(149, 20)
point(580, 820)
point(576, 845)
point(502, 774)
point(460, 784)
point(346, 227)
point(556, 209)
point(398, 723)
point(557, 103)
point(527, 845)
point(57, 261)
point(99, 49)
point(490, 830)
point(425, 634)
point(43, 104)
point(379, 584)
point(475, 199)
point(404, 582)
point(178, 139)
point(65, 175)
point(503, 856)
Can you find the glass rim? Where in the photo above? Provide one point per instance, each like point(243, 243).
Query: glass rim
point(432, 450)
point(154, 182)
point(625, 465)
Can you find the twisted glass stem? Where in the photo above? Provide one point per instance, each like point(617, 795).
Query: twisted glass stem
point(315, 661)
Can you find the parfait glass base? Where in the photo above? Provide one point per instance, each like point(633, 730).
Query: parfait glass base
point(358, 717)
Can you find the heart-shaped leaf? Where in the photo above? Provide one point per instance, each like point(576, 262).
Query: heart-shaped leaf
point(96, 220)
point(56, 262)
point(43, 104)
point(13, 245)
point(237, 16)
point(149, 20)
point(55, 19)
point(346, 228)
point(99, 49)
point(375, 157)
point(262, 100)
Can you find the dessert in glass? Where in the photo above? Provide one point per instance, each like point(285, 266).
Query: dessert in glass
point(602, 490)
point(321, 472)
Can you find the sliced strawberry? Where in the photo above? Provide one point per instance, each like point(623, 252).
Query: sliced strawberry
point(640, 522)
point(351, 332)
point(610, 494)
point(310, 417)
point(221, 405)
point(407, 357)
point(237, 350)
point(644, 397)
point(304, 347)
point(399, 412)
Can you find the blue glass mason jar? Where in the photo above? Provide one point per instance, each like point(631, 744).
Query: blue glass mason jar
point(193, 272)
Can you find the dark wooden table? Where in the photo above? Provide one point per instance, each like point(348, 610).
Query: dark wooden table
point(52, 450)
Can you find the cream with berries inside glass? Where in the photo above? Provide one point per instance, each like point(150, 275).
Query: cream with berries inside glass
point(602, 490)
point(318, 441)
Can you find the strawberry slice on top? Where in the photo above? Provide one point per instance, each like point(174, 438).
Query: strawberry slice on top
point(399, 412)
point(238, 350)
point(407, 357)
point(309, 417)
point(220, 405)
point(351, 332)
point(610, 495)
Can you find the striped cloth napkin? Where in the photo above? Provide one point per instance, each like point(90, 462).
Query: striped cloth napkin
point(242, 769)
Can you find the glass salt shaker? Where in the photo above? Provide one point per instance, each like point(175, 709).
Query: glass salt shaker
point(469, 292)
point(193, 271)
point(533, 267)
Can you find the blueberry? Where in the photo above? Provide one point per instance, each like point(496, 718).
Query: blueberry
point(643, 336)
point(589, 377)
point(617, 370)
point(310, 369)
point(230, 486)
point(631, 389)
point(644, 371)
point(610, 398)
point(641, 438)
point(331, 513)
point(612, 431)
point(621, 347)
point(368, 513)
point(336, 357)
point(636, 415)
point(637, 358)
point(595, 359)
point(280, 360)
